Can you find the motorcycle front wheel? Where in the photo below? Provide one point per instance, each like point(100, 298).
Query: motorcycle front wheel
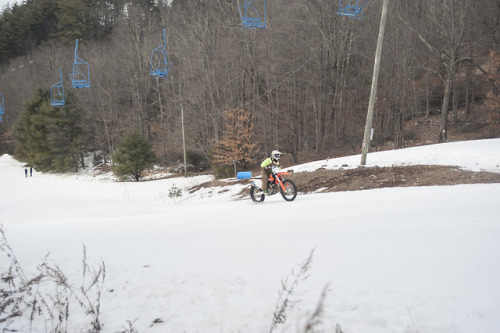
point(256, 194)
point(290, 192)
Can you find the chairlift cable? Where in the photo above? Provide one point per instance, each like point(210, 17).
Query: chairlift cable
point(266, 93)
point(292, 73)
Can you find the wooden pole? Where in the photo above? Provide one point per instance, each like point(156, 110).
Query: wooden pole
point(162, 129)
point(373, 92)
point(183, 140)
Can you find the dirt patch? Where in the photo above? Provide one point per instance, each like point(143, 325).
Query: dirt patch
point(363, 178)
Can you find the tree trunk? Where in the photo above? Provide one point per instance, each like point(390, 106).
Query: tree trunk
point(443, 125)
point(428, 86)
point(468, 92)
point(456, 89)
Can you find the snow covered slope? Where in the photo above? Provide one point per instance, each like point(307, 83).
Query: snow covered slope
point(391, 260)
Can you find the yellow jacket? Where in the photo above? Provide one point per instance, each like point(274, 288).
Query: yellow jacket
point(267, 162)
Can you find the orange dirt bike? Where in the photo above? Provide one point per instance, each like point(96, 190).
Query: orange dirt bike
point(276, 183)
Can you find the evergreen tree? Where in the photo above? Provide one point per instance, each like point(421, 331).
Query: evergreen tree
point(134, 155)
point(49, 138)
point(23, 27)
point(31, 133)
point(66, 138)
point(74, 20)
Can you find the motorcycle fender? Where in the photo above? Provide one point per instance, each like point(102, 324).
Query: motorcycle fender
point(257, 183)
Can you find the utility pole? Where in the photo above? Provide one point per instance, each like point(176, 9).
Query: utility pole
point(235, 173)
point(183, 139)
point(162, 129)
point(373, 93)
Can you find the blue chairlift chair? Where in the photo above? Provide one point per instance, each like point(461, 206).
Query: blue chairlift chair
point(57, 97)
point(159, 61)
point(352, 8)
point(250, 18)
point(2, 108)
point(81, 73)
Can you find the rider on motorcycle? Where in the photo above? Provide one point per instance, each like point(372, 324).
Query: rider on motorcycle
point(266, 167)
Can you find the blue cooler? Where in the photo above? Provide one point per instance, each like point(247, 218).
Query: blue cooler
point(244, 175)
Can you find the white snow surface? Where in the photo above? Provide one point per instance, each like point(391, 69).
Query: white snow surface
point(405, 260)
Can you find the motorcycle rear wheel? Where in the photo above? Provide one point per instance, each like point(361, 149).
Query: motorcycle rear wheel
point(290, 192)
point(256, 194)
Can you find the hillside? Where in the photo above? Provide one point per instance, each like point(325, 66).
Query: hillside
point(306, 96)
point(405, 259)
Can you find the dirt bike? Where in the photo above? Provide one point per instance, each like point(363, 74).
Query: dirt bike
point(276, 183)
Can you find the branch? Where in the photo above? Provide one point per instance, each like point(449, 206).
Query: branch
point(471, 60)
point(431, 48)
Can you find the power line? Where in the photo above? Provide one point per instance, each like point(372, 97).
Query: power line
point(292, 73)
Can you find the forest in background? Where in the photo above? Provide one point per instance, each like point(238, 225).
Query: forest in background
point(301, 85)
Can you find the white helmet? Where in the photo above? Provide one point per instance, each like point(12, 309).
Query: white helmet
point(276, 154)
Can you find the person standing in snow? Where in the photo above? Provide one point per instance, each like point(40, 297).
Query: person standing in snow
point(31, 171)
point(26, 172)
point(266, 167)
